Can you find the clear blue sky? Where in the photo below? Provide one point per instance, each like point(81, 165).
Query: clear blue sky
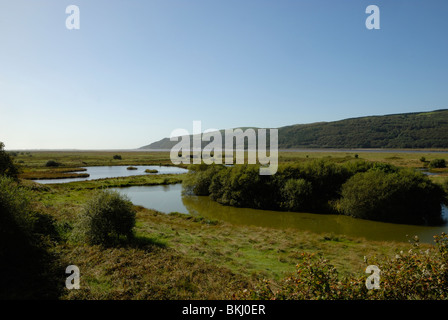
point(138, 69)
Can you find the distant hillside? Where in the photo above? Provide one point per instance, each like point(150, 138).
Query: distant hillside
point(408, 130)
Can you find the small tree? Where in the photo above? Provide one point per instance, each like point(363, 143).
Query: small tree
point(7, 167)
point(437, 163)
point(52, 163)
point(405, 196)
point(107, 216)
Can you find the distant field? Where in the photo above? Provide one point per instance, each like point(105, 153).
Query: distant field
point(33, 163)
point(90, 158)
point(95, 158)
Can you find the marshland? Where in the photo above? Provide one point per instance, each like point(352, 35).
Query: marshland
point(213, 250)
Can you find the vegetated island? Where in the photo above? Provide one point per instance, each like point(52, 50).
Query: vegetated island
point(361, 189)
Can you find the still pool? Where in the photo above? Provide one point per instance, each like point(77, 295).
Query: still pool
point(170, 199)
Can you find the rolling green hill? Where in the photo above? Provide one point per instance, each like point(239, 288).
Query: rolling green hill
point(417, 130)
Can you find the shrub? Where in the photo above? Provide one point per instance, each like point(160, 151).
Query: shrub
point(326, 179)
point(385, 167)
point(243, 186)
point(315, 279)
point(117, 157)
point(437, 163)
point(105, 217)
point(25, 237)
point(199, 178)
point(375, 191)
point(7, 167)
point(413, 275)
point(18, 219)
point(52, 163)
point(295, 194)
point(405, 196)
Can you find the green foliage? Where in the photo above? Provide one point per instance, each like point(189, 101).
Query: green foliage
point(198, 180)
point(414, 275)
point(403, 196)
point(296, 193)
point(52, 163)
point(409, 130)
point(243, 186)
point(107, 216)
point(306, 186)
point(384, 167)
point(376, 191)
point(437, 163)
point(18, 219)
point(7, 167)
point(25, 236)
point(315, 279)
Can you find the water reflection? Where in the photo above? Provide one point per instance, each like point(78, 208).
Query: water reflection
point(102, 172)
point(318, 223)
point(169, 199)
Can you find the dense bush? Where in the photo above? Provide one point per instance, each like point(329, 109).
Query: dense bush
point(295, 194)
point(326, 179)
point(52, 163)
point(437, 163)
point(117, 157)
point(7, 167)
point(199, 180)
point(317, 183)
point(404, 196)
point(413, 275)
point(105, 217)
point(361, 189)
point(27, 268)
point(243, 186)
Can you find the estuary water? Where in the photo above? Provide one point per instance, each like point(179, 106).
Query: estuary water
point(170, 199)
point(102, 172)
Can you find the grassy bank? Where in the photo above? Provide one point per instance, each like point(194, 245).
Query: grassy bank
point(180, 257)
